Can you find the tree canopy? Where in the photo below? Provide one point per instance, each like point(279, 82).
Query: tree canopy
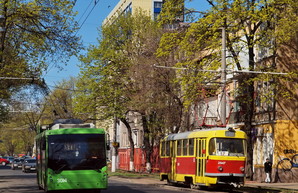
point(36, 35)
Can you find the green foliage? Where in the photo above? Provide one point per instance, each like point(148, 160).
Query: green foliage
point(104, 78)
point(118, 75)
point(171, 12)
point(36, 34)
point(58, 104)
point(16, 135)
point(253, 27)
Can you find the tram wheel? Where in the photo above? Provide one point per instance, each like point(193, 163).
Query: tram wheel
point(193, 186)
point(170, 183)
point(200, 187)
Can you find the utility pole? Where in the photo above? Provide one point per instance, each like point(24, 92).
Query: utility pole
point(223, 79)
point(115, 146)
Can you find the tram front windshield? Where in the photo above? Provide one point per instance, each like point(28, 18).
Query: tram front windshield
point(76, 152)
point(227, 147)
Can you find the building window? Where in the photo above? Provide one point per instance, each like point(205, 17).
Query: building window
point(156, 16)
point(157, 9)
point(157, 5)
point(128, 9)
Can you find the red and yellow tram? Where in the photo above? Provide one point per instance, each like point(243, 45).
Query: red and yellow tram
point(204, 157)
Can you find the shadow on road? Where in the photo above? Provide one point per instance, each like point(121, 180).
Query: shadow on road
point(21, 189)
point(2, 177)
point(258, 190)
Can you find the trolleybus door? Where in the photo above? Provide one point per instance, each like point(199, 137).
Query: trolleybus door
point(201, 160)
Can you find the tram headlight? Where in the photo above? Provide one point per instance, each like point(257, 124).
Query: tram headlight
point(242, 169)
point(220, 168)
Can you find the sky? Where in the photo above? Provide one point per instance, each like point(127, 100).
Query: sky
point(90, 17)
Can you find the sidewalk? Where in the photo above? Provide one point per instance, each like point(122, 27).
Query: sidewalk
point(283, 187)
point(291, 187)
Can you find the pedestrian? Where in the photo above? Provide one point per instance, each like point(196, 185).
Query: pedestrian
point(268, 170)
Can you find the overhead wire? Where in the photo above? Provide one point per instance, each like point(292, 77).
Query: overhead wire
point(66, 89)
point(95, 3)
point(85, 11)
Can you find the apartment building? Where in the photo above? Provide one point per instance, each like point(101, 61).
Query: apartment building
point(153, 7)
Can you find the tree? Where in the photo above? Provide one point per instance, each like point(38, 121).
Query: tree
point(105, 77)
point(17, 136)
point(37, 34)
point(22, 121)
point(252, 26)
point(59, 103)
point(118, 77)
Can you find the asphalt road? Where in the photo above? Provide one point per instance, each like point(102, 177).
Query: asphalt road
point(12, 181)
point(16, 181)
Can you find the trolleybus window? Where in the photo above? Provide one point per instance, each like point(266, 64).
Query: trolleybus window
point(76, 152)
point(227, 147)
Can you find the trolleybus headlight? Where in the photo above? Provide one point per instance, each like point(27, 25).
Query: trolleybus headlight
point(220, 168)
point(242, 169)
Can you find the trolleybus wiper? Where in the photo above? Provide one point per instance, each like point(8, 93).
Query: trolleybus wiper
point(60, 168)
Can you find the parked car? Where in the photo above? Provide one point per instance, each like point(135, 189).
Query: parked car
point(9, 158)
point(17, 163)
point(4, 161)
point(26, 157)
point(29, 165)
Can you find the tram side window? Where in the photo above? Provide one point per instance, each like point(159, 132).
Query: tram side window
point(185, 146)
point(191, 147)
point(212, 150)
point(167, 148)
point(162, 145)
point(179, 147)
point(162, 148)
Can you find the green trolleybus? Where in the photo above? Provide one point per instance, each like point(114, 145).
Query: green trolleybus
point(71, 156)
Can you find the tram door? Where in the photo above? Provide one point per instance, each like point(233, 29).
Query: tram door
point(173, 160)
point(201, 159)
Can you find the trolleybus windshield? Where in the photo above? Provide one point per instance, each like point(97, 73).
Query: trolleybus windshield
point(227, 147)
point(76, 152)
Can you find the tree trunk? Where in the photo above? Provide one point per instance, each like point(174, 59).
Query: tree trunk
point(3, 33)
point(147, 144)
point(249, 113)
point(131, 143)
